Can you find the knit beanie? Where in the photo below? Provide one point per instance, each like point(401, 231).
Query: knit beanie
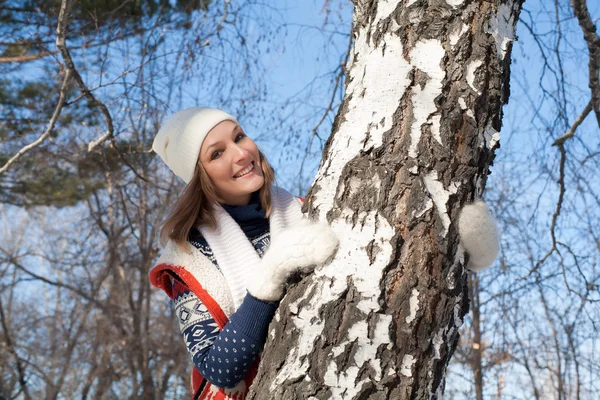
point(179, 140)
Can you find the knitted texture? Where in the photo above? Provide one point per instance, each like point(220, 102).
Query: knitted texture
point(230, 354)
point(179, 140)
point(251, 218)
point(478, 235)
point(242, 267)
point(224, 356)
point(299, 247)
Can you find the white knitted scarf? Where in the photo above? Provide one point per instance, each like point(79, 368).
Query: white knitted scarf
point(235, 255)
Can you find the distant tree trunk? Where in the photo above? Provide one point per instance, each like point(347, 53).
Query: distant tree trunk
point(411, 144)
point(477, 350)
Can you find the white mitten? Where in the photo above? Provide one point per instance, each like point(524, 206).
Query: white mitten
point(300, 247)
point(478, 235)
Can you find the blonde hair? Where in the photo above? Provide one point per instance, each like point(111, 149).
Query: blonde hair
point(194, 206)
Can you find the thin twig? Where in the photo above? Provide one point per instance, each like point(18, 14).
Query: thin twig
point(571, 131)
point(561, 196)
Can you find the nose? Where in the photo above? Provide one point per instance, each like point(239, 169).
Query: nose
point(240, 154)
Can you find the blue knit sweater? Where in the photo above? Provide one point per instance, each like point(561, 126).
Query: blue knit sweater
point(224, 357)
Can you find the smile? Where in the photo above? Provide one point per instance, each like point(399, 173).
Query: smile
point(245, 171)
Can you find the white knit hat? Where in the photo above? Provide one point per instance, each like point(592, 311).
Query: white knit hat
point(179, 140)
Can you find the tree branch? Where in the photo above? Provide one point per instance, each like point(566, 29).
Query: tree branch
point(593, 42)
point(59, 106)
point(559, 203)
point(11, 348)
point(571, 131)
point(65, 8)
point(26, 57)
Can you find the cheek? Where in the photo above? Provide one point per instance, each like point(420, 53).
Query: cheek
point(251, 146)
point(217, 172)
point(253, 149)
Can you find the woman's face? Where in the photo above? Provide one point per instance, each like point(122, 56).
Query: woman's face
point(232, 162)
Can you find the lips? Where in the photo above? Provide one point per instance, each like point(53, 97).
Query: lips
point(245, 171)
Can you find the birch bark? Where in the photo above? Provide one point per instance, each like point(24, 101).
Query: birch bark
point(412, 143)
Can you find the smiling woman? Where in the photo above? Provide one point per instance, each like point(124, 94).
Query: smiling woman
point(232, 241)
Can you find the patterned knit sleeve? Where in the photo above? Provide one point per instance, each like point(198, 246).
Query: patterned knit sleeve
point(222, 357)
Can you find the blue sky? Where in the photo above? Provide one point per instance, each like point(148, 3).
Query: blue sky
point(306, 47)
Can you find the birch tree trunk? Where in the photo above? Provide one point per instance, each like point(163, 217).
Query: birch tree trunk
point(411, 144)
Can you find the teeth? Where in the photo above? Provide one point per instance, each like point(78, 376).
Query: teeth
point(245, 170)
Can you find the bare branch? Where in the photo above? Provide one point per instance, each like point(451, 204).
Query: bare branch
point(65, 8)
point(59, 106)
point(11, 348)
point(571, 131)
point(593, 42)
point(559, 203)
point(26, 57)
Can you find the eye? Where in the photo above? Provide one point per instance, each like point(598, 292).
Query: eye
point(240, 136)
point(216, 155)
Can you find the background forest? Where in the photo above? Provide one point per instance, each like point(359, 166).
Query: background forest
point(81, 194)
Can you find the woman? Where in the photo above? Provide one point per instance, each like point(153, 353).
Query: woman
point(226, 286)
point(233, 240)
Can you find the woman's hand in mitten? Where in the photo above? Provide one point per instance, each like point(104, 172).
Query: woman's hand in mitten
point(298, 248)
point(479, 235)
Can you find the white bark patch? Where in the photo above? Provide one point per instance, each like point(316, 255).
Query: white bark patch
point(410, 3)
point(439, 393)
point(455, 3)
point(502, 28)
point(377, 82)
point(407, 363)
point(459, 260)
point(414, 306)
point(440, 196)
point(438, 342)
point(385, 8)
point(490, 137)
point(435, 128)
point(463, 106)
point(343, 386)
point(455, 36)
point(331, 282)
point(352, 260)
point(426, 207)
point(471, 69)
point(309, 326)
point(426, 55)
point(458, 320)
